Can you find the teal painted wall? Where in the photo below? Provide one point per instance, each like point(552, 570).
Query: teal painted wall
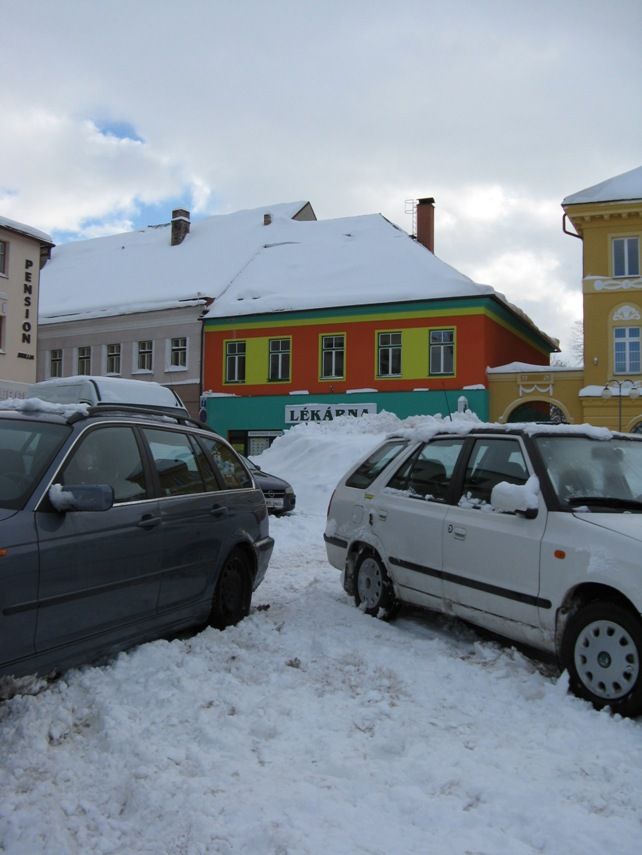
point(267, 412)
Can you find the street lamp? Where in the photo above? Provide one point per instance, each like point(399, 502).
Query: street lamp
point(634, 392)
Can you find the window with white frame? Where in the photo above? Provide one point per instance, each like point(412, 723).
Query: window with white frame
point(235, 362)
point(279, 359)
point(113, 358)
point(626, 350)
point(626, 256)
point(55, 362)
point(144, 355)
point(4, 246)
point(332, 356)
point(178, 352)
point(442, 352)
point(389, 354)
point(83, 362)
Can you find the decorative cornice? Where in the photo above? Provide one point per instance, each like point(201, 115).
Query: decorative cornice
point(598, 283)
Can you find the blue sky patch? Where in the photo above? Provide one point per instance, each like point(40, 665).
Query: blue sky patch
point(120, 130)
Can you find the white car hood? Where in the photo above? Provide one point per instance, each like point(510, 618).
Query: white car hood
point(629, 525)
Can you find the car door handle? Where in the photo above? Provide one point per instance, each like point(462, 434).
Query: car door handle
point(457, 531)
point(218, 511)
point(383, 515)
point(148, 521)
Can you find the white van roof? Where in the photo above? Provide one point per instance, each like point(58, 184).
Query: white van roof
point(84, 389)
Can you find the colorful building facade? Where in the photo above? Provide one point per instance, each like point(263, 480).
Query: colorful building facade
point(264, 373)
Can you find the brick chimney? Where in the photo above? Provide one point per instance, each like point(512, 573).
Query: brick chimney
point(267, 219)
point(180, 225)
point(426, 222)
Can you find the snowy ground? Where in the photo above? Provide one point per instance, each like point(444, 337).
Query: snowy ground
point(313, 729)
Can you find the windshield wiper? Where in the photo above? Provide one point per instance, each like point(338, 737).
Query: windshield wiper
point(605, 501)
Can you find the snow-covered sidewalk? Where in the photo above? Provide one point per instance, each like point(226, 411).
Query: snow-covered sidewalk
point(312, 729)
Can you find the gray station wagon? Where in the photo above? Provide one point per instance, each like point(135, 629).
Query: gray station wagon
point(118, 523)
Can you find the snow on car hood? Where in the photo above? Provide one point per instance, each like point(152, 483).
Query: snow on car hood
point(629, 525)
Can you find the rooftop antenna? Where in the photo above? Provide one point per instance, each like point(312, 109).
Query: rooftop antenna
point(443, 389)
point(410, 207)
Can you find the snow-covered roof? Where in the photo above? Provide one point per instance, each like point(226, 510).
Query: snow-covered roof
point(247, 267)
point(15, 226)
point(340, 262)
point(621, 188)
point(140, 270)
point(526, 367)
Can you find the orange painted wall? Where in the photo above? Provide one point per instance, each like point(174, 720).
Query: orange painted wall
point(481, 342)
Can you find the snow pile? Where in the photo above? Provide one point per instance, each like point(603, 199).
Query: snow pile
point(516, 497)
point(37, 405)
point(312, 728)
point(61, 499)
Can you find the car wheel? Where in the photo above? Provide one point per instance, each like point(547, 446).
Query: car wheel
point(233, 592)
point(373, 590)
point(602, 652)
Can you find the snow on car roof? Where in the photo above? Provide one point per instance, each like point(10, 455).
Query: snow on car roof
point(106, 390)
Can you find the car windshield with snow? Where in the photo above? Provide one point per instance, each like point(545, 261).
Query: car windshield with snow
point(533, 532)
point(119, 522)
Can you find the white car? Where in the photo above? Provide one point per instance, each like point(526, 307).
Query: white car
point(532, 531)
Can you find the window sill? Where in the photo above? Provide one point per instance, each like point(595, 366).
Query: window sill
point(176, 368)
point(143, 371)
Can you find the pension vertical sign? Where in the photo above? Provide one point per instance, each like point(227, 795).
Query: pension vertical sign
point(301, 413)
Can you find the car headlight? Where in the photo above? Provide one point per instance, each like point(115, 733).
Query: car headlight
point(289, 491)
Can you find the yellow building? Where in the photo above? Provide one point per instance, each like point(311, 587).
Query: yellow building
point(607, 391)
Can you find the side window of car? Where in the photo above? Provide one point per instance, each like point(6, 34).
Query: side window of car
point(175, 462)
point(427, 474)
point(232, 472)
point(371, 468)
point(491, 462)
point(108, 455)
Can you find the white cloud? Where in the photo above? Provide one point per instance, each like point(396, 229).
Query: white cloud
point(66, 173)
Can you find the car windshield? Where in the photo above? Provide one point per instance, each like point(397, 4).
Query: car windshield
point(26, 449)
point(602, 474)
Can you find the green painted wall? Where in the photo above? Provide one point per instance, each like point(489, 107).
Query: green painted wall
point(267, 412)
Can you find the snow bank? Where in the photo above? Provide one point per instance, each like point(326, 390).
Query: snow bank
point(313, 729)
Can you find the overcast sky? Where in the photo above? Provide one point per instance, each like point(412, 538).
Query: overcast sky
point(114, 112)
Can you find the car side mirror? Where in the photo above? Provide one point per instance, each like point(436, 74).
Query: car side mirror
point(81, 497)
point(529, 513)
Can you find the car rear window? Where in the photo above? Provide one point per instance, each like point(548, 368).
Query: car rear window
point(367, 471)
point(26, 450)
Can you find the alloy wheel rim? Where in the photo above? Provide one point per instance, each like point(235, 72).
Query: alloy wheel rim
point(606, 659)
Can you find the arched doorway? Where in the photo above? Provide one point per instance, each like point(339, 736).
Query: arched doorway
point(537, 411)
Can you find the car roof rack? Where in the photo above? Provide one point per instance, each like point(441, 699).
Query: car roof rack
point(104, 408)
